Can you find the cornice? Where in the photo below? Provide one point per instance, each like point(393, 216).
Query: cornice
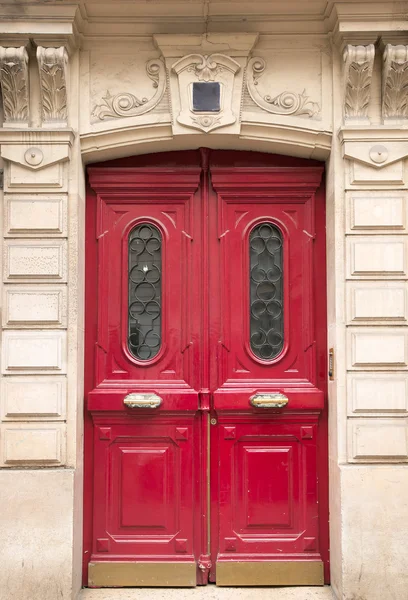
point(36, 136)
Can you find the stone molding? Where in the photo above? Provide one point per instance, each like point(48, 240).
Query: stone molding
point(125, 104)
point(52, 67)
point(395, 82)
point(285, 103)
point(15, 86)
point(358, 70)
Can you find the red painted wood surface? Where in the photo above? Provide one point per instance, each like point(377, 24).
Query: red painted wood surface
point(146, 471)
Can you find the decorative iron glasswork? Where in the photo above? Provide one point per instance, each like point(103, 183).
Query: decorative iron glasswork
point(145, 265)
point(266, 290)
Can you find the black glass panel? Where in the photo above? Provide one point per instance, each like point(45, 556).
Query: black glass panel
point(145, 266)
point(206, 96)
point(266, 291)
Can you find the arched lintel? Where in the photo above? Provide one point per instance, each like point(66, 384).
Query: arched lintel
point(270, 138)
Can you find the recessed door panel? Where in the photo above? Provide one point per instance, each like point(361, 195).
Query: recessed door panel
point(205, 382)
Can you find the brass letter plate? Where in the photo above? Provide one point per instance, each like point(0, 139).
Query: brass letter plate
point(273, 400)
point(142, 401)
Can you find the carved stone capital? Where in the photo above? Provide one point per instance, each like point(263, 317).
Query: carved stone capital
point(14, 86)
point(52, 66)
point(285, 103)
point(395, 82)
point(358, 71)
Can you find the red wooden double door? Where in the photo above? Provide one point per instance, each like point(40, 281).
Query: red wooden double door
point(206, 443)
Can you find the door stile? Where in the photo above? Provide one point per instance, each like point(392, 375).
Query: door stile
point(204, 560)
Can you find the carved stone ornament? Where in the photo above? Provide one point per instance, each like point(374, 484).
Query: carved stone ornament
point(52, 65)
point(125, 104)
point(14, 85)
point(395, 82)
point(358, 71)
point(285, 103)
point(217, 68)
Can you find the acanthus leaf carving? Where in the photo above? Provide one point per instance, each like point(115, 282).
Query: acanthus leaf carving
point(126, 104)
point(359, 62)
point(395, 82)
point(285, 103)
point(14, 85)
point(52, 66)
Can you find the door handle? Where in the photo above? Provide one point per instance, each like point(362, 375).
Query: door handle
point(142, 401)
point(273, 400)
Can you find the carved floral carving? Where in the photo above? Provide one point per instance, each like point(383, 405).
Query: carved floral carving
point(395, 82)
point(125, 104)
point(285, 103)
point(214, 67)
point(52, 66)
point(359, 61)
point(14, 84)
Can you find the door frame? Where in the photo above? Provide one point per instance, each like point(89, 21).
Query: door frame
point(90, 336)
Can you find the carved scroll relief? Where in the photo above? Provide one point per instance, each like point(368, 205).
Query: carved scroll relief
point(395, 82)
point(217, 68)
point(52, 66)
point(358, 71)
point(125, 104)
point(285, 103)
point(14, 86)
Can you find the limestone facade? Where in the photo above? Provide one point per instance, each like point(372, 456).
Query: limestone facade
point(88, 81)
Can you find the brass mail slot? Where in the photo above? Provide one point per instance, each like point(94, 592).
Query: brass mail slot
point(142, 401)
point(273, 400)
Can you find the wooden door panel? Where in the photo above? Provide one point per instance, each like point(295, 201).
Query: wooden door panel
point(144, 487)
point(154, 472)
point(268, 500)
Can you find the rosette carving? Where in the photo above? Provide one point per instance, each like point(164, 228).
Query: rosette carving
point(359, 61)
point(395, 82)
point(14, 85)
point(285, 103)
point(52, 66)
point(125, 104)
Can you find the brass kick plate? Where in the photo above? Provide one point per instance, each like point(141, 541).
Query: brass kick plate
point(142, 574)
point(235, 573)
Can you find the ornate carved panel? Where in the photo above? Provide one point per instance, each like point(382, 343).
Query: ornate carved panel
point(196, 68)
point(14, 86)
point(52, 66)
point(125, 104)
point(395, 82)
point(285, 103)
point(359, 61)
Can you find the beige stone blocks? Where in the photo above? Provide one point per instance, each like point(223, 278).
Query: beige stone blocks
point(377, 302)
point(35, 215)
point(375, 212)
point(377, 394)
point(39, 260)
point(33, 401)
point(35, 443)
point(376, 248)
point(34, 306)
point(374, 440)
point(34, 352)
point(381, 256)
point(34, 398)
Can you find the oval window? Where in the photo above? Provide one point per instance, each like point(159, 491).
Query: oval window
point(266, 291)
point(144, 314)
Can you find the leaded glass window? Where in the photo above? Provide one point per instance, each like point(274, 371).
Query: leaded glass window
point(145, 309)
point(266, 291)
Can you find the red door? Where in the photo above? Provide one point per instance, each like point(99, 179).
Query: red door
point(206, 440)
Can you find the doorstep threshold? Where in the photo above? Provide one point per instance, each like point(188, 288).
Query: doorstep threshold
point(210, 592)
